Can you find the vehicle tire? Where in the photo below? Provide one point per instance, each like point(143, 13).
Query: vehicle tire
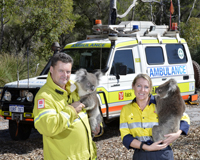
point(24, 131)
point(19, 131)
point(196, 73)
point(14, 130)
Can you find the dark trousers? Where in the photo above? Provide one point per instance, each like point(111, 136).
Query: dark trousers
point(164, 154)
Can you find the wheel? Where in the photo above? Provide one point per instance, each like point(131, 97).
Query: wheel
point(13, 130)
point(24, 130)
point(196, 73)
point(19, 131)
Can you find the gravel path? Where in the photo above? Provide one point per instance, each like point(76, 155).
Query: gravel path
point(109, 146)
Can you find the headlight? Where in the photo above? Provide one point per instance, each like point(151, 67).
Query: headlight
point(7, 96)
point(29, 96)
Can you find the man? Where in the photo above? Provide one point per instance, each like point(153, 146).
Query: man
point(60, 117)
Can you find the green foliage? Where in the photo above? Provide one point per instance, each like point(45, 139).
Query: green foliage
point(35, 25)
point(38, 24)
point(186, 6)
point(88, 11)
point(191, 33)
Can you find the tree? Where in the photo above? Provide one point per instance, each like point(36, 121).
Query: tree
point(6, 10)
point(37, 24)
point(191, 33)
point(88, 11)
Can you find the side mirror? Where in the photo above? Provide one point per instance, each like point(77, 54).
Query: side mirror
point(123, 70)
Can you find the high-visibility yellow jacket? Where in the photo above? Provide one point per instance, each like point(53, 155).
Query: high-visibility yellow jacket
point(66, 135)
point(138, 124)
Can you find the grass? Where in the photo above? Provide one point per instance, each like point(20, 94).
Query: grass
point(12, 64)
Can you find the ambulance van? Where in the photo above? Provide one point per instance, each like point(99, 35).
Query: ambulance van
point(120, 52)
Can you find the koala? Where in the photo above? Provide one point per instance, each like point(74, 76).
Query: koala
point(170, 108)
point(87, 84)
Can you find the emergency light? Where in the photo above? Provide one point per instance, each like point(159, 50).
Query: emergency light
point(135, 28)
point(174, 27)
point(98, 22)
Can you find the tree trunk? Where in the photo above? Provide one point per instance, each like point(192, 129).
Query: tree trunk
point(113, 11)
point(179, 13)
point(128, 10)
point(2, 27)
point(191, 11)
point(132, 16)
point(161, 16)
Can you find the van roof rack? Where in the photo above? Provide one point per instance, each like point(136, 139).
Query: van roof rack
point(134, 29)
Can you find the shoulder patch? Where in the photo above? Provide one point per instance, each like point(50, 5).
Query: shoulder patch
point(40, 103)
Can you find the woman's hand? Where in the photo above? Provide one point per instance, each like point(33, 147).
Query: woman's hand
point(156, 146)
point(172, 137)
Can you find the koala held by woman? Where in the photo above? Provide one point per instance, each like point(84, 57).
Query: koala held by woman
point(170, 108)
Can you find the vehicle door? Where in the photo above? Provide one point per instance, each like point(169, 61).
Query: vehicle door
point(120, 86)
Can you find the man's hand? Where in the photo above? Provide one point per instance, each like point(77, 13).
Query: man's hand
point(78, 106)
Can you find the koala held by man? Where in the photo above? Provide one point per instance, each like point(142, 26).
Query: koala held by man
point(87, 84)
point(170, 108)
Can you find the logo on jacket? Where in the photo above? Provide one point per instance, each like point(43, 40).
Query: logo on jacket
point(40, 103)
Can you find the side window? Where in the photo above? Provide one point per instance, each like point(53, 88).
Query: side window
point(123, 57)
point(154, 55)
point(176, 53)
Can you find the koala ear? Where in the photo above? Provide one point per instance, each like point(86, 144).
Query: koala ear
point(80, 74)
point(98, 74)
point(173, 85)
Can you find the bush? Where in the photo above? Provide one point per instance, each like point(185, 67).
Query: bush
point(191, 33)
point(12, 64)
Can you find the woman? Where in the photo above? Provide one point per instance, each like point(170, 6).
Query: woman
point(137, 120)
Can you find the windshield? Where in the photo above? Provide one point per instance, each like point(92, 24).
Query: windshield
point(89, 58)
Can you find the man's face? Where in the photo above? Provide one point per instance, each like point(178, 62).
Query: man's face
point(61, 73)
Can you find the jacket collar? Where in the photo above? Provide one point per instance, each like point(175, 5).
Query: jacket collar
point(152, 100)
point(70, 86)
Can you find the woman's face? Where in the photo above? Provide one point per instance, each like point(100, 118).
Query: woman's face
point(142, 89)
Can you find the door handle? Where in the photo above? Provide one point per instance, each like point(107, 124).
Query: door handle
point(115, 85)
point(185, 77)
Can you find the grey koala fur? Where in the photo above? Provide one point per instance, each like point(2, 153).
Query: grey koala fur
point(170, 108)
point(87, 84)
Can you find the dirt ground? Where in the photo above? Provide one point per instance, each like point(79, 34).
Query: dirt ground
point(109, 146)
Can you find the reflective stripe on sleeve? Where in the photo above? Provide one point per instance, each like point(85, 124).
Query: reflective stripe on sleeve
point(65, 114)
point(123, 125)
point(81, 115)
point(42, 114)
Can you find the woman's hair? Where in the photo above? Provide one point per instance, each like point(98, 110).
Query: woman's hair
point(144, 76)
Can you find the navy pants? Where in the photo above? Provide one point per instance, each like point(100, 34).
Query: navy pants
point(164, 154)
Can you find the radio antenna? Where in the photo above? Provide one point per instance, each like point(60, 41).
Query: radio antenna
point(28, 64)
point(17, 70)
